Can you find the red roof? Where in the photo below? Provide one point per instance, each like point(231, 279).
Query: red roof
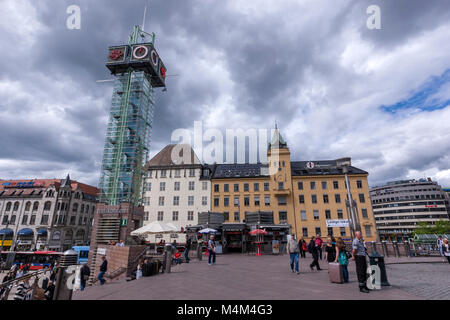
point(45, 183)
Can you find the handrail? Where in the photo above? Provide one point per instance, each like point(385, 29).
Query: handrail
point(26, 276)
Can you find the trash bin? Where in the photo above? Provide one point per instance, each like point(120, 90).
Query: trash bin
point(377, 259)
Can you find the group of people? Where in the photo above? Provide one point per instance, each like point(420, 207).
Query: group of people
point(444, 248)
point(335, 252)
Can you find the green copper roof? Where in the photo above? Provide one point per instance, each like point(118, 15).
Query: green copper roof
point(277, 140)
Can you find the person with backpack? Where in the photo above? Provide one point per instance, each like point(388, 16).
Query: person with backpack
point(85, 272)
point(342, 258)
point(303, 247)
point(293, 251)
point(313, 249)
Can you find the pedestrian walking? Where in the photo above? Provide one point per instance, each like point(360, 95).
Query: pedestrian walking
point(293, 251)
point(439, 243)
point(23, 291)
point(103, 269)
point(342, 258)
point(187, 248)
point(19, 273)
point(330, 251)
point(359, 255)
point(446, 249)
point(50, 291)
point(85, 272)
point(313, 249)
point(211, 250)
point(319, 244)
point(302, 247)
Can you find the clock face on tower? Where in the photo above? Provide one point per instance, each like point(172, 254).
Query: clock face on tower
point(117, 54)
point(140, 52)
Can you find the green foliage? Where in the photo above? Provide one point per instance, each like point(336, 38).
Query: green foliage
point(440, 227)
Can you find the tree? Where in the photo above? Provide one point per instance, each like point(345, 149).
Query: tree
point(440, 227)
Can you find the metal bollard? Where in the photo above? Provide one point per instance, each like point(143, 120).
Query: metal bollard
point(407, 249)
point(167, 258)
point(65, 275)
point(199, 252)
point(384, 247)
point(397, 253)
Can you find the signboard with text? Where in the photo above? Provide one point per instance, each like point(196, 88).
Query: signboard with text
point(337, 223)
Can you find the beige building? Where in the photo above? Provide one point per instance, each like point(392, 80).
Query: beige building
point(46, 214)
point(309, 195)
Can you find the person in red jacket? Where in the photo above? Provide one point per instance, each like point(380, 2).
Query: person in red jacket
point(177, 257)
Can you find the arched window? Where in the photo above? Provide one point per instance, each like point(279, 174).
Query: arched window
point(8, 206)
point(35, 206)
point(80, 234)
point(28, 206)
point(82, 207)
point(93, 209)
point(87, 209)
point(16, 206)
point(75, 207)
point(47, 205)
point(68, 235)
point(58, 207)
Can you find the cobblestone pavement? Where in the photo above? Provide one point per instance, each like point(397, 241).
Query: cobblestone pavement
point(244, 277)
point(429, 281)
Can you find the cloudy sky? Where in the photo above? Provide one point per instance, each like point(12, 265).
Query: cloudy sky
point(334, 87)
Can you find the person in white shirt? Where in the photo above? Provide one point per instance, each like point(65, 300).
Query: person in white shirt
point(439, 244)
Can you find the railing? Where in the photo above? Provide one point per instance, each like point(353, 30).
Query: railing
point(10, 284)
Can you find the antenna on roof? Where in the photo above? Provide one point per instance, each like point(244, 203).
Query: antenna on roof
point(143, 20)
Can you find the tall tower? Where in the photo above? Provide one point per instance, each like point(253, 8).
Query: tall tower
point(138, 69)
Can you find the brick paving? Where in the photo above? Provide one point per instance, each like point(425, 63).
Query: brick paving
point(243, 277)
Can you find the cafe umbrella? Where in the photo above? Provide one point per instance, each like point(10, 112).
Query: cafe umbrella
point(259, 233)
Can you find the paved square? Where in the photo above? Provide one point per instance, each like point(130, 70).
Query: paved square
point(244, 277)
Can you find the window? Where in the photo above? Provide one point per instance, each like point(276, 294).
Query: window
point(216, 188)
point(8, 206)
point(327, 214)
point(364, 213)
point(282, 215)
point(204, 185)
point(236, 216)
point(204, 200)
point(282, 200)
point(226, 188)
point(236, 201)
point(74, 208)
point(314, 198)
point(324, 185)
point(359, 184)
point(300, 185)
point(246, 187)
point(5, 219)
point(256, 186)
point(36, 206)
point(368, 231)
point(87, 209)
point(24, 219)
point(146, 216)
point(266, 186)
point(337, 198)
point(226, 216)
point(226, 202)
point(16, 206)
point(147, 201)
point(191, 172)
point(246, 201)
point(190, 215)
point(176, 186)
point(176, 200)
point(149, 173)
point(161, 201)
point(318, 231)
point(216, 202)
point(236, 187)
point(303, 215)
point(48, 205)
point(175, 216)
point(32, 220)
point(73, 220)
point(163, 173)
point(301, 198)
point(305, 232)
point(148, 186)
point(267, 200)
point(177, 173)
point(13, 220)
point(27, 206)
point(280, 186)
point(190, 200)
point(316, 214)
point(343, 232)
point(335, 184)
point(330, 231)
point(191, 185)
point(162, 186)
point(339, 213)
point(206, 172)
point(325, 198)
point(256, 200)
point(312, 185)
point(362, 199)
point(160, 215)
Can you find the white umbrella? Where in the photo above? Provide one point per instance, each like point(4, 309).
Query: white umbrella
point(152, 228)
point(174, 227)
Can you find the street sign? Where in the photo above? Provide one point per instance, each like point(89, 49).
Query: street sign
point(123, 222)
point(337, 223)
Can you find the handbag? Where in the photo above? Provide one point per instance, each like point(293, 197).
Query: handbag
point(348, 254)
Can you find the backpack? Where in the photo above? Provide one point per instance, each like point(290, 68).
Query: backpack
point(342, 258)
point(311, 247)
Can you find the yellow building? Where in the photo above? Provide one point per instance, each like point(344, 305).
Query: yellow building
point(311, 196)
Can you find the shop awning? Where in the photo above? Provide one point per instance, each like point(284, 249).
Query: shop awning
point(9, 232)
point(42, 232)
point(233, 226)
point(25, 232)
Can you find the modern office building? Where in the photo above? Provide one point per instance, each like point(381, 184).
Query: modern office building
point(175, 191)
point(46, 214)
point(399, 205)
point(311, 196)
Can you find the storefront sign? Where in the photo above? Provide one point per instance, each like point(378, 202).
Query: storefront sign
point(7, 243)
point(24, 242)
point(158, 236)
point(337, 223)
point(431, 206)
point(174, 235)
point(275, 246)
point(101, 251)
point(111, 210)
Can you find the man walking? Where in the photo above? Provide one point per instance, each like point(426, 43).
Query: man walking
point(293, 250)
point(439, 244)
point(85, 272)
point(359, 255)
point(103, 269)
point(186, 250)
point(211, 250)
point(313, 249)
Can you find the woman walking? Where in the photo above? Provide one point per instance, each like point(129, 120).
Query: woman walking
point(341, 258)
point(446, 249)
point(330, 251)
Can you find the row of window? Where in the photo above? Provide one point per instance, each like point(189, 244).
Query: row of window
point(422, 203)
point(337, 198)
point(436, 216)
point(163, 173)
point(175, 215)
point(176, 186)
point(47, 206)
point(44, 220)
point(422, 196)
point(444, 210)
point(340, 214)
point(389, 191)
point(176, 201)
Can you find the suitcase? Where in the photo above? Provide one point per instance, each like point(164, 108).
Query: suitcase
point(335, 272)
point(151, 268)
point(145, 270)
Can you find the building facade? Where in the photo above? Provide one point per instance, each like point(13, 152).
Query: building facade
point(311, 196)
point(176, 189)
point(399, 205)
point(47, 214)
